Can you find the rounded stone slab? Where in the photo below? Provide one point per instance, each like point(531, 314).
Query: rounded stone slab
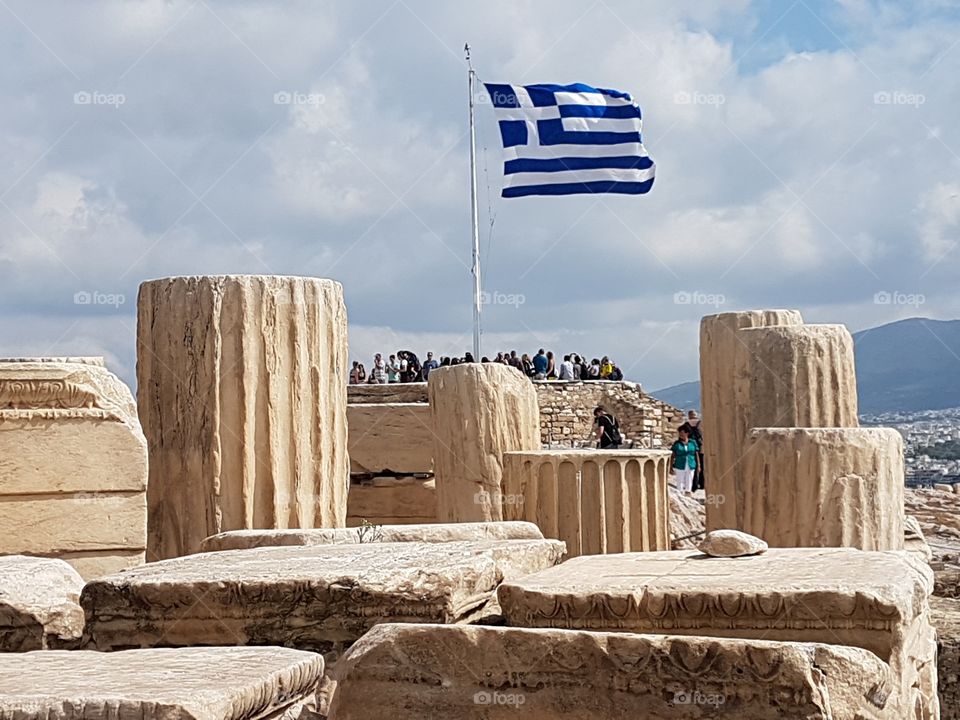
point(316, 598)
point(835, 595)
point(215, 683)
point(432, 672)
point(731, 543)
point(39, 604)
point(426, 532)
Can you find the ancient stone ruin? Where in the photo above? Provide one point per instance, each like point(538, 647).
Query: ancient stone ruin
point(242, 401)
point(73, 465)
point(427, 551)
point(479, 412)
point(601, 501)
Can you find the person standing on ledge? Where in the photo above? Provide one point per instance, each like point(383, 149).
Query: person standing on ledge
point(683, 460)
point(429, 365)
point(566, 369)
point(696, 434)
point(608, 429)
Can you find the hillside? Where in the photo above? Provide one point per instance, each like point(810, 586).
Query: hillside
point(906, 365)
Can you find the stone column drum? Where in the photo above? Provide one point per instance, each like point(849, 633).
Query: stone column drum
point(824, 487)
point(722, 420)
point(597, 501)
point(479, 412)
point(797, 376)
point(242, 395)
point(789, 376)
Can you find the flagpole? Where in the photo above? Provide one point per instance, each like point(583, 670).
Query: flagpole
point(477, 296)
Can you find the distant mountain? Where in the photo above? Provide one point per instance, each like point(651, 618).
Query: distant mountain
point(904, 366)
point(684, 396)
point(909, 365)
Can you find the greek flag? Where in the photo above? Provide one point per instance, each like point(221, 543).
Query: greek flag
point(570, 139)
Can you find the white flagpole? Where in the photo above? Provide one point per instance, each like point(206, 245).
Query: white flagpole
point(477, 296)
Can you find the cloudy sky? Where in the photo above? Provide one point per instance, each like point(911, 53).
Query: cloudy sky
point(807, 154)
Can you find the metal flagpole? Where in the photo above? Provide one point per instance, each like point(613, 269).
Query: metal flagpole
point(477, 296)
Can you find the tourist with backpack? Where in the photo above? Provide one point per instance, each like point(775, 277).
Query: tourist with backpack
point(608, 429)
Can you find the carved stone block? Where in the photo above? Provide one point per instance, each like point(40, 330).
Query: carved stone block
point(213, 683)
point(392, 501)
point(432, 532)
point(39, 604)
point(390, 436)
point(73, 464)
point(431, 672)
point(315, 598)
point(877, 601)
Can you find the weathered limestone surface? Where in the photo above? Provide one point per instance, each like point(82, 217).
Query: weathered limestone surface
point(597, 501)
point(480, 411)
point(316, 598)
point(73, 464)
point(243, 400)
point(722, 417)
point(392, 501)
point(390, 436)
point(945, 616)
point(434, 532)
point(220, 683)
point(824, 487)
point(797, 376)
point(871, 600)
point(433, 672)
point(914, 540)
point(39, 604)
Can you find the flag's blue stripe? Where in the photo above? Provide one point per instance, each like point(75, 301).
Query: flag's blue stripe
point(502, 95)
point(600, 111)
point(595, 186)
point(540, 97)
point(513, 132)
point(627, 162)
point(579, 88)
point(551, 132)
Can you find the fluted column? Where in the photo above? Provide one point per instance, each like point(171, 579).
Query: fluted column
point(479, 412)
point(724, 424)
point(242, 394)
point(597, 501)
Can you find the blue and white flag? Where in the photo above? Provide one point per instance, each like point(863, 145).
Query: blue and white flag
point(570, 139)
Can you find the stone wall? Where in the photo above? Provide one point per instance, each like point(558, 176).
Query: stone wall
point(566, 413)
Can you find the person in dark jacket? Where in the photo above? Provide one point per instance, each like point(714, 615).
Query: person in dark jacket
point(608, 429)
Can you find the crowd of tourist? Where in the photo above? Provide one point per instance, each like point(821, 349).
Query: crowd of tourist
point(686, 453)
point(405, 366)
